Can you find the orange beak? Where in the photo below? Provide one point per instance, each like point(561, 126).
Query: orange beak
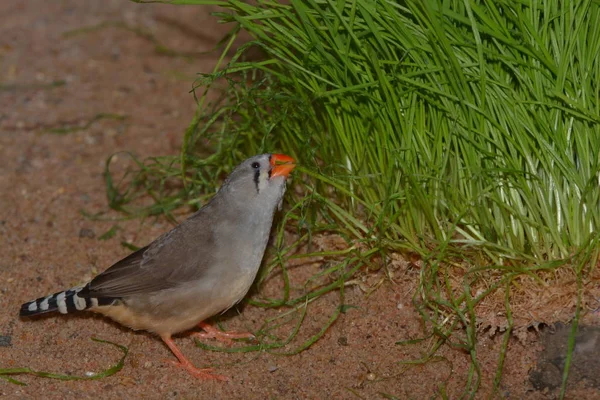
point(282, 165)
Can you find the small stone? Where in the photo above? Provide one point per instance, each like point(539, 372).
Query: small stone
point(371, 376)
point(87, 233)
point(127, 381)
point(148, 364)
point(5, 340)
point(272, 368)
point(548, 372)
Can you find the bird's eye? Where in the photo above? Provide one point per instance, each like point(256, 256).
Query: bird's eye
point(255, 165)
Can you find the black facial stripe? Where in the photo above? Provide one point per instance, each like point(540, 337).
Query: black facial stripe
point(256, 177)
point(271, 168)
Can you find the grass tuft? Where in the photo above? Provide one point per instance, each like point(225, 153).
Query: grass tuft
point(465, 132)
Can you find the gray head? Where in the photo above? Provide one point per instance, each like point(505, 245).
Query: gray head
point(258, 179)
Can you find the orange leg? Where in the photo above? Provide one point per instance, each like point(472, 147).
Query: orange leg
point(184, 363)
point(224, 337)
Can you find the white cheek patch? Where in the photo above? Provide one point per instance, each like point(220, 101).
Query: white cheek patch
point(263, 180)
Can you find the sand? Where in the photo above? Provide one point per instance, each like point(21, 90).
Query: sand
point(50, 79)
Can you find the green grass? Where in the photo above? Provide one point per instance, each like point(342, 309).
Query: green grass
point(8, 373)
point(459, 130)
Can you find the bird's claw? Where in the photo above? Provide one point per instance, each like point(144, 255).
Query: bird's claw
point(200, 373)
point(223, 337)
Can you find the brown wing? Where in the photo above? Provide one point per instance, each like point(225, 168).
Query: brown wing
point(181, 255)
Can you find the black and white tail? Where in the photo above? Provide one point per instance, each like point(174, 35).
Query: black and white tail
point(63, 302)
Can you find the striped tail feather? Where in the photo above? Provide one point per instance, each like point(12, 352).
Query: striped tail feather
point(64, 302)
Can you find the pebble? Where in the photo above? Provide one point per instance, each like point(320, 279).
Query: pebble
point(5, 340)
point(87, 233)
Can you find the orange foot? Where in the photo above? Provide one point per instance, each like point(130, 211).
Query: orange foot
point(224, 337)
point(200, 373)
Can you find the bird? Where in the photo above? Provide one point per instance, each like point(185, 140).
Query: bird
point(200, 268)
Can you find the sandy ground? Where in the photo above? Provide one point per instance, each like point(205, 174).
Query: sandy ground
point(49, 80)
